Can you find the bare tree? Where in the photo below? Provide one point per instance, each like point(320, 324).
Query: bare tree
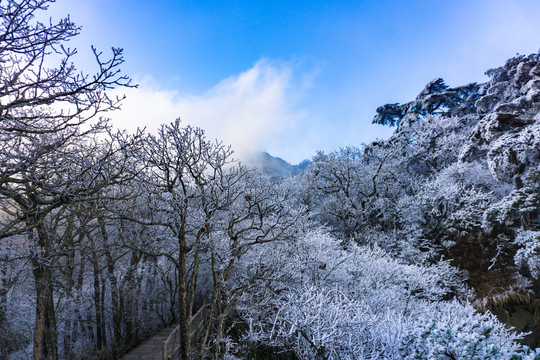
point(258, 212)
point(52, 151)
point(181, 187)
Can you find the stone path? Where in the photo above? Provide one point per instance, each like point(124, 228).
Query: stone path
point(150, 349)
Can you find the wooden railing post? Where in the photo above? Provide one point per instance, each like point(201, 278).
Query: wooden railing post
point(164, 350)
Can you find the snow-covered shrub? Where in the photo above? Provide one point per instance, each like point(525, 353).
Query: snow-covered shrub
point(322, 301)
point(511, 149)
point(321, 323)
point(437, 214)
point(450, 330)
point(529, 255)
point(512, 207)
point(318, 323)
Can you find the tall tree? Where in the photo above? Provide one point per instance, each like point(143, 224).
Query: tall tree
point(181, 187)
point(47, 112)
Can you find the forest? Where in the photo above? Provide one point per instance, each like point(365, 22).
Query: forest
point(425, 245)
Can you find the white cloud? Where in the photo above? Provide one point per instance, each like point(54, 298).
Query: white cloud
point(245, 111)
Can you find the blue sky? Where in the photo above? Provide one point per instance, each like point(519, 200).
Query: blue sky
point(293, 77)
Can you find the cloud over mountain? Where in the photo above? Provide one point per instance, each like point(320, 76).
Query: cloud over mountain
point(244, 110)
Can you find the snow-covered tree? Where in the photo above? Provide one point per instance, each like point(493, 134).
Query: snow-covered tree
point(325, 302)
point(54, 150)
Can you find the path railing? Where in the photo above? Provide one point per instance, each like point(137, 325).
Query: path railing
point(171, 347)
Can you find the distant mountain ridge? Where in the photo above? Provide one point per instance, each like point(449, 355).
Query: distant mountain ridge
point(276, 167)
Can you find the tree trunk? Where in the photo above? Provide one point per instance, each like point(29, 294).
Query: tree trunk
point(185, 322)
point(116, 315)
point(129, 302)
point(519, 169)
point(69, 288)
point(45, 336)
point(4, 338)
point(100, 341)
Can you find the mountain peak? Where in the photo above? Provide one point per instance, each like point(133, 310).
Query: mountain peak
point(276, 167)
